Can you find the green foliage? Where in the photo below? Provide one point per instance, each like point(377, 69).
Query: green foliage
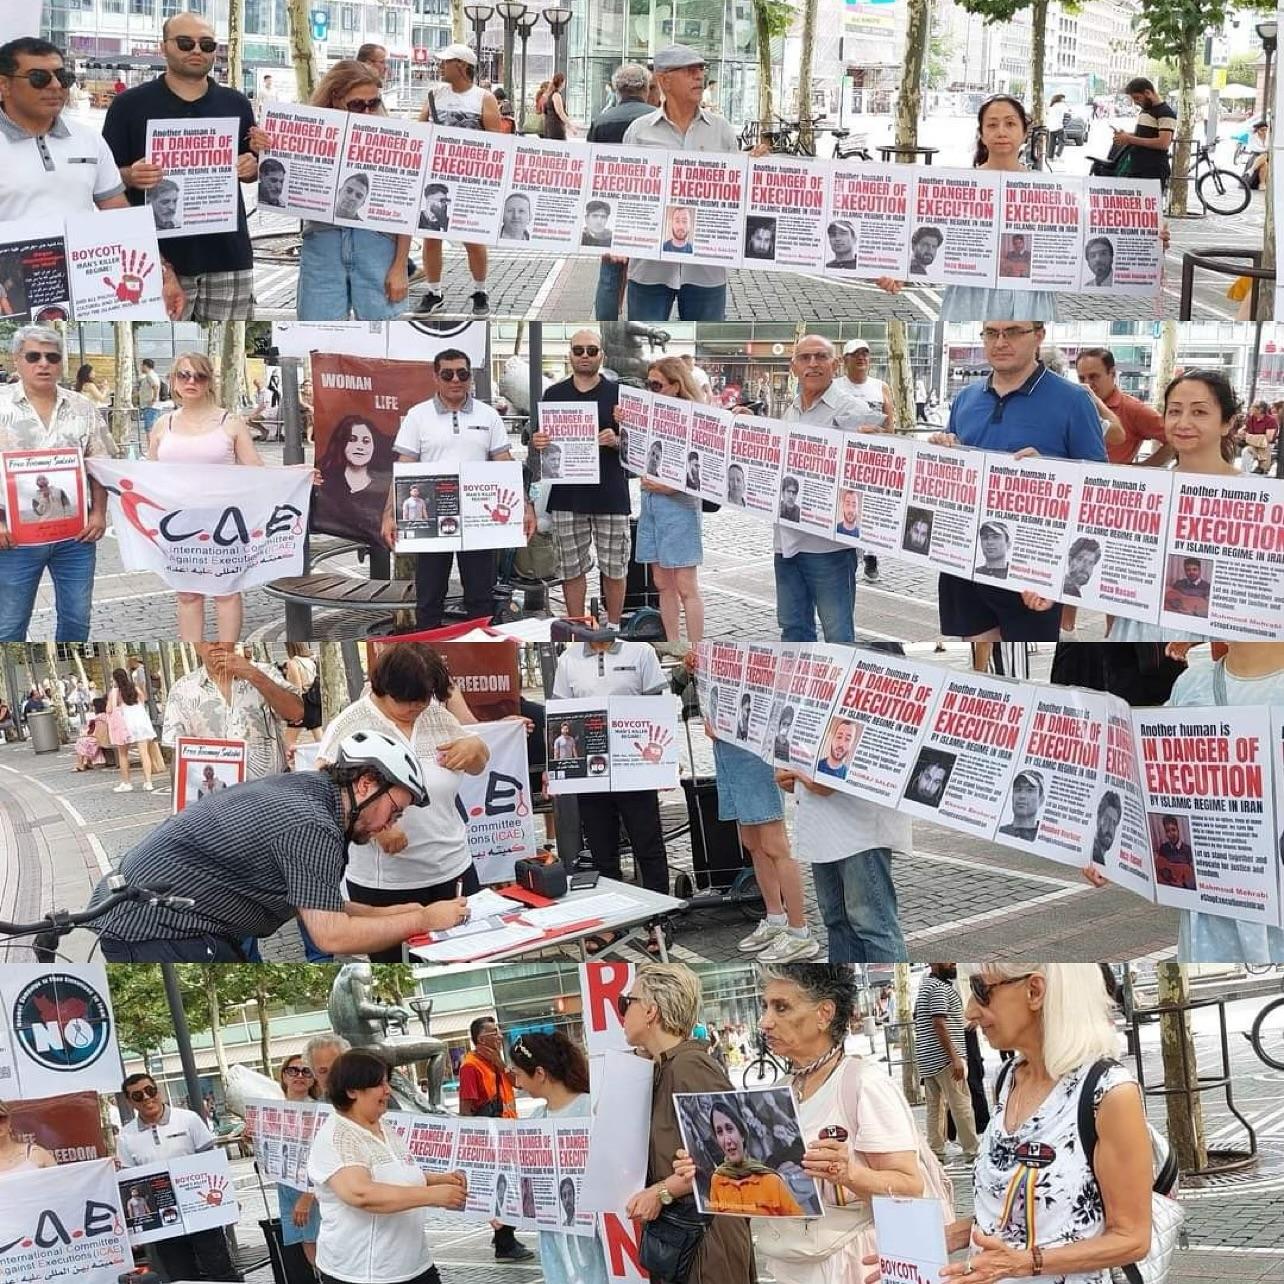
point(774, 16)
point(1241, 70)
point(939, 49)
point(1166, 26)
point(143, 1017)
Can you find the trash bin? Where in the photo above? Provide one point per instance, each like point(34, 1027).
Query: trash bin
point(43, 728)
point(871, 1029)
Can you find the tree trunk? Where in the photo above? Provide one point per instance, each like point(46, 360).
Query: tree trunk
point(334, 681)
point(1038, 51)
point(763, 29)
point(458, 22)
point(806, 135)
point(79, 661)
point(909, 100)
point(59, 704)
point(1265, 292)
point(235, 43)
point(1165, 362)
point(211, 971)
point(301, 54)
point(265, 1035)
point(1185, 1114)
point(1185, 120)
point(902, 375)
point(905, 1020)
point(233, 365)
point(122, 410)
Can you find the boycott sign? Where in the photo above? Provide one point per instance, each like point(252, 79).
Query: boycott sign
point(496, 805)
point(43, 495)
point(198, 190)
point(473, 505)
point(617, 743)
point(911, 1239)
point(203, 768)
point(184, 1195)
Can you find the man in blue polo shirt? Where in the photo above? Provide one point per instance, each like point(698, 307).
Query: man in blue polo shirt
point(1022, 409)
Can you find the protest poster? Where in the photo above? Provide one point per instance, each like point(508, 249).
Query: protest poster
point(1121, 840)
point(151, 1207)
point(748, 1149)
point(572, 1137)
point(507, 1176)
point(624, 210)
point(1040, 232)
point(544, 201)
point(43, 495)
point(1122, 252)
point(910, 1234)
point(198, 192)
point(634, 428)
point(780, 729)
point(21, 18)
point(1115, 560)
point(953, 231)
point(941, 520)
point(114, 264)
point(359, 403)
point(666, 455)
point(1026, 510)
point(422, 339)
point(815, 683)
point(537, 1175)
point(867, 223)
point(182, 1196)
point(707, 454)
point(602, 984)
point(496, 804)
point(723, 676)
point(872, 485)
point(809, 479)
point(873, 735)
point(34, 285)
point(572, 453)
point(784, 214)
point(477, 1154)
point(57, 1031)
point(215, 530)
point(484, 673)
point(756, 458)
point(703, 209)
point(967, 756)
point(381, 168)
point(299, 172)
point(578, 744)
point(319, 339)
point(464, 183)
point(1224, 558)
point(1206, 775)
point(491, 504)
point(426, 503)
point(69, 1126)
point(431, 1143)
point(80, 1199)
point(203, 768)
point(612, 743)
point(761, 666)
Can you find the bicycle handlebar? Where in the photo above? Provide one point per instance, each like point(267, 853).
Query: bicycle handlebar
point(60, 922)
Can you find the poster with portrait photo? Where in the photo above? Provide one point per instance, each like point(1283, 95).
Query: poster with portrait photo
point(543, 207)
point(755, 463)
point(199, 158)
point(631, 182)
point(778, 740)
point(809, 478)
point(929, 777)
point(434, 213)
point(867, 220)
point(785, 214)
point(874, 477)
point(941, 513)
point(298, 173)
point(1027, 507)
point(43, 495)
point(426, 502)
point(748, 1149)
point(381, 174)
point(633, 424)
point(150, 1203)
point(666, 459)
point(33, 271)
point(203, 768)
point(707, 453)
point(704, 209)
point(578, 741)
point(1120, 847)
point(1122, 252)
point(1040, 232)
point(572, 455)
point(474, 166)
point(954, 228)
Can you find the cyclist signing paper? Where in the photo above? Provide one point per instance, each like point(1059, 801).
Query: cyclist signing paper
point(255, 856)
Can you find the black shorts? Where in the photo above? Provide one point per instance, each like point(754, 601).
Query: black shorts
point(968, 609)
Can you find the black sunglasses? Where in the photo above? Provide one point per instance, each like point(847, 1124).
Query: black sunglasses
point(655, 385)
point(623, 1003)
point(983, 991)
point(35, 358)
point(298, 1072)
point(42, 77)
point(454, 376)
point(207, 44)
point(144, 1094)
point(585, 350)
point(362, 105)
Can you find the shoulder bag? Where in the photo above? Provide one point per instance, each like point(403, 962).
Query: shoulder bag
point(670, 1242)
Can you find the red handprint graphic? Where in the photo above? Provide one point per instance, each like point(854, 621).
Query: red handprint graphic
point(213, 1192)
point(658, 740)
point(135, 268)
point(505, 502)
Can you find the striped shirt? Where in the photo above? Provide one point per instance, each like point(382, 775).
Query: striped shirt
point(250, 856)
point(936, 998)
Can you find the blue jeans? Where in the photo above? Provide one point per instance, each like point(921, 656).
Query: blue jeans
point(342, 271)
point(150, 415)
point(71, 567)
point(695, 302)
point(857, 900)
point(606, 303)
point(811, 584)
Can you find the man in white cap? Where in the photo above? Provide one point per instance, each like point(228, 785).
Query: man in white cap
point(875, 400)
point(462, 104)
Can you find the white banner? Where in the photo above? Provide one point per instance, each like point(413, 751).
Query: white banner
point(184, 1195)
point(21, 18)
point(497, 804)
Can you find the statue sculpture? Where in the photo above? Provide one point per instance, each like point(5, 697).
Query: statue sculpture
point(624, 357)
point(361, 1019)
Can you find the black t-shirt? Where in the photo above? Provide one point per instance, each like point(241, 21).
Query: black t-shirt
point(1150, 162)
point(611, 494)
point(125, 130)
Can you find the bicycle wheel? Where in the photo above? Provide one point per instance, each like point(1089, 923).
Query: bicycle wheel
point(1222, 191)
point(761, 1073)
point(1267, 1034)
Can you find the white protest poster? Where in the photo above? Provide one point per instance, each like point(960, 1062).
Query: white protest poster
point(298, 174)
point(114, 265)
point(197, 192)
point(818, 679)
point(754, 465)
point(780, 727)
point(1224, 570)
point(954, 229)
point(150, 1204)
point(21, 18)
point(353, 338)
point(381, 170)
point(621, 1097)
point(497, 803)
point(205, 1191)
point(477, 1153)
point(537, 1173)
point(491, 506)
point(1122, 252)
point(426, 504)
point(624, 209)
point(544, 201)
point(872, 484)
point(1208, 802)
point(911, 1239)
point(58, 1032)
point(809, 479)
point(422, 340)
point(602, 985)
point(33, 271)
point(1040, 232)
point(761, 671)
point(941, 517)
point(431, 1142)
point(703, 209)
point(579, 746)
point(214, 530)
point(633, 425)
point(644, 742)
point(723, 676)
point(203, 768)
point(43, 495)
point(62, 1224)
point(571, 1138)
point(707, 453)
point(666, 456)
point(867, 224)
point(1121, 842)
point(572, 453)
point(785, 214)
point(464, 183)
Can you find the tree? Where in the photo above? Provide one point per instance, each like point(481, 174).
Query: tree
point(905, 1028)
point(1165, 362)
point(939, 50)
point(235, 43)
point(301, 53)
point(909, 102)
point(772, 20)
point(993, 11)
point(902, 375)
point(458, 22)
point(55, 692)
point(122, 408)
point(143, 1019)
point(1181, 1072)
point(232, 363)
point(334, 679)
point(806, 135)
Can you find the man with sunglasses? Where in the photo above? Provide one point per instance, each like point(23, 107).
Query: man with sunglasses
point(36, 413)
point(216, 269)
point(159, 1132)
point(591, 522)
point(939, 1046)
point(452, 428)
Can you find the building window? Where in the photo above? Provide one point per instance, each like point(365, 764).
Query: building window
point(392, 22)
point(256, 18)
point(171, 7)
point(347, 17)
point(113, 6)
point(143, 8)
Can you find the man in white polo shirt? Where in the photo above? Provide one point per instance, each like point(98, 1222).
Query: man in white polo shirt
point(54, 167)
point(156, 1133)
point(452, 428)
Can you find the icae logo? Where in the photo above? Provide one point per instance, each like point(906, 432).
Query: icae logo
point(61, 1022)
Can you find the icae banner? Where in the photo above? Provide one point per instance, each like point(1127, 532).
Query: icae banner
point(497, 803)
point(214, 530)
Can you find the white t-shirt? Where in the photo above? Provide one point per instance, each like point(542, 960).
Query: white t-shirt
point(703, 382)
point(179, 1132)
point(355, 1245)
point(60, 173)
point(868, 395)
point(628, 668)
point(434, 434)
point(829, 827)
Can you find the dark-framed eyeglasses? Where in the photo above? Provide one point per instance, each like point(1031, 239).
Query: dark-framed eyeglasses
point(454, 376)
point(585, 350)
point(983, 990)
point(206, 44)
point(993, 333)
point(144, 1094)
point(299, 1072)
point(42, 77)
point(35, 358)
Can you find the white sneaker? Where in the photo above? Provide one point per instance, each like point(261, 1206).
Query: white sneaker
point(790, 949)
point(760, 937)
point(123, 788)
point(147, 786)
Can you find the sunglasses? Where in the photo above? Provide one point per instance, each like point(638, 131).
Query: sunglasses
point(206, 44)
point(655, 385)
point(623, 1003)
point(190, 376)
point(983, 991)
point(585, 350)
point(42, 78)
point(362, 105)
point(144, 1094)
point(35, 358)
point(454, 376)
point(298, 1072)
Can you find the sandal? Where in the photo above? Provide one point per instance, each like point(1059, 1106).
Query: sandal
point(596, 944)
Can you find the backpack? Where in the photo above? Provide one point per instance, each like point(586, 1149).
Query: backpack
point(312, 718)
point(162, 393)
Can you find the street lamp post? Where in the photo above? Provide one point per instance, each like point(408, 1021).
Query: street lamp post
point(1268, 34)
point(479, 15)
point(559, 18)
point(512, 12)
point(525, 25)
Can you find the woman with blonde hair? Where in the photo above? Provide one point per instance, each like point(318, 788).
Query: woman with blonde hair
point(199, 433)
point(300, 1216)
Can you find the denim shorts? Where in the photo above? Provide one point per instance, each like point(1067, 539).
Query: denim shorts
point(669, 531)
point(342, 272)
point(747, 789)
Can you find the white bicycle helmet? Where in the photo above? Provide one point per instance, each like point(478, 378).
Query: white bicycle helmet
point(392, 762)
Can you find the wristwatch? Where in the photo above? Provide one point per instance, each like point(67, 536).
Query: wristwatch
point(662, 1193)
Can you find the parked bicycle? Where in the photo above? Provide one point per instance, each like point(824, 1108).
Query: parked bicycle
point(1267, 1034)
point(1034, 151)
point(764, 1069)
point(1220, 191)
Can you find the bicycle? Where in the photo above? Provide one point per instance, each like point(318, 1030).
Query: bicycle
point(1034, 151)
point(1220, 191)
point(764, 1069)
point(1263, 1036)
point(50, 930)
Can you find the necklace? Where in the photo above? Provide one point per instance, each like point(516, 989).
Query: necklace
point(800, 1073)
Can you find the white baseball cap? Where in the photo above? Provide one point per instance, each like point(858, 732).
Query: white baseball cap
point(855, 345)
point(458, 53)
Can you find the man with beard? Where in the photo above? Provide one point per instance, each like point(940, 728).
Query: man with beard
point(939, 1044)
point(838, 756)
point(1174, 859)
point(435, 215)
point(1081, 561)
point(1109, 814)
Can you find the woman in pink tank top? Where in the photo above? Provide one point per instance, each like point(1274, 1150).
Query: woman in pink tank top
point(201, 432)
